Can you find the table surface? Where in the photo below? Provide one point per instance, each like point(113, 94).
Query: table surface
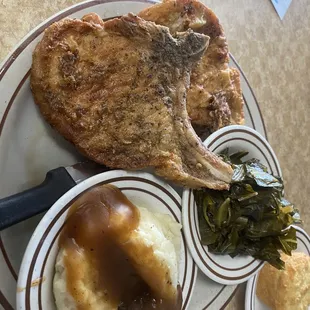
point(275, 56)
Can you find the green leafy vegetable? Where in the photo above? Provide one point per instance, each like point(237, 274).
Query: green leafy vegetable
point(252, 218)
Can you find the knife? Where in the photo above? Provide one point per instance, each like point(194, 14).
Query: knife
point(21, 206)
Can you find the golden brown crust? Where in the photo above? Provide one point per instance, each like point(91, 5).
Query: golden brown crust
point(117, 90)
point(236, 99)
point(286, 289)
point(214, 98)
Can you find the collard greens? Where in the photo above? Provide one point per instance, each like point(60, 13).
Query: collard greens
point(252, 218)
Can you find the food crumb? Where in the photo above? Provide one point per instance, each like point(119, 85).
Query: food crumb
point(37, 281)
point(20, 289)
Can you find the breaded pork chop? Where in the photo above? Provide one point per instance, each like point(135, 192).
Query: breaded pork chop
point(117, 90)
point(214, 99)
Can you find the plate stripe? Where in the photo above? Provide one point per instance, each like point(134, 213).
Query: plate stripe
point(4, 303)
point(252, 93)
point(7, 260)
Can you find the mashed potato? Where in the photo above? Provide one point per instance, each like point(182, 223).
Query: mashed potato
point(157, 231)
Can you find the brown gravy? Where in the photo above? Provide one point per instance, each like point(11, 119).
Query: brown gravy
point(98, 234)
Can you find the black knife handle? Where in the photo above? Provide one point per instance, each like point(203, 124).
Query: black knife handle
point(21, 206)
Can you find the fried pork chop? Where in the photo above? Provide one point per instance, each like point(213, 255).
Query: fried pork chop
point(117, 90)
point(214, 99)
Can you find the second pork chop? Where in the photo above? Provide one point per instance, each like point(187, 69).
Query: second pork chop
point(117, 90)
point(214, 98)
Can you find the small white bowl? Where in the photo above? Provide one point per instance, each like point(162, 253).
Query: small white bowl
point(222, 268)
point(34, 288)
point(252, 302)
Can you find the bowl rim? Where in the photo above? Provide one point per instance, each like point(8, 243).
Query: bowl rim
point(68, 197)
point(219, 275)
point(245, 129)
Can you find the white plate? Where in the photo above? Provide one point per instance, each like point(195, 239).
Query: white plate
point(252, 302)
point(222, 268)
point(141, 188)
point(29, 148)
